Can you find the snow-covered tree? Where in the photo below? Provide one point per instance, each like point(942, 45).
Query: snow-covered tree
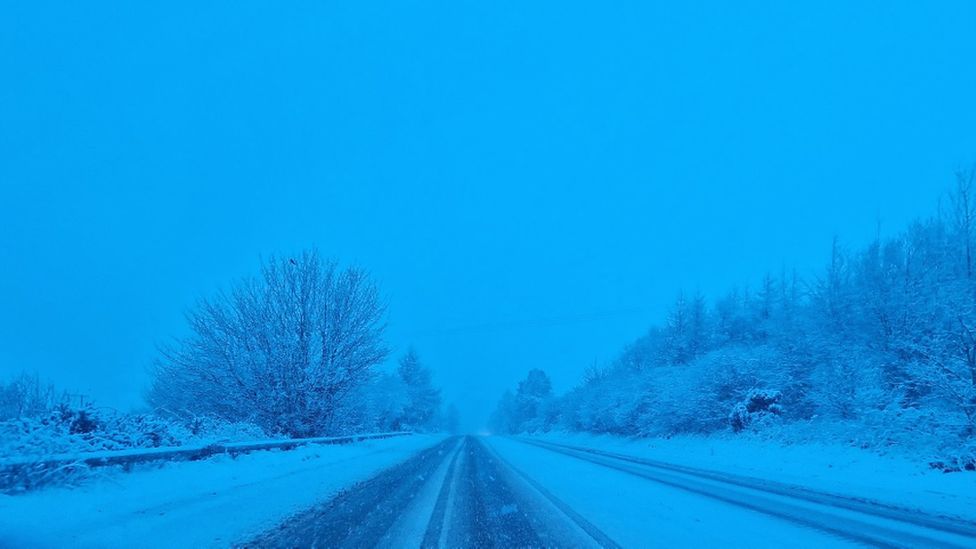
point(423, 399)
point(686, 335)
point(283, 350)
point(503, 419)
point(529, 409)
point(452, 419)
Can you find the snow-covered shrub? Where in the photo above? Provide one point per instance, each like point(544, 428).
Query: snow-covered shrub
point(67, 430)
point(757, 409)
point(210, 429)
point(691, 398)
point(963, 459)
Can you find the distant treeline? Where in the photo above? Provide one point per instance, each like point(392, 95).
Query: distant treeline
point(878, 350)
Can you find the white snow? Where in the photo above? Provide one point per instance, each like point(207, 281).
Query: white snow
point(638, 513)
point(411, 526)
point(163, 451)
point(838, 469)
point(212, 503)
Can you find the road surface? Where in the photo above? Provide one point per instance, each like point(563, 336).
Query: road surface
point(498, 492)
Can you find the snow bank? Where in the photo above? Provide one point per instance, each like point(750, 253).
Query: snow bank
point(211, 503)
point(900, 480)
point(635, 512)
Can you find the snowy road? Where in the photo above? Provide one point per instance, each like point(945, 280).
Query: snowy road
point(431, 491)
point(457, 494)
point(485, 492)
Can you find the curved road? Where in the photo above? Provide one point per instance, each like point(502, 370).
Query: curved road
point(489, 492)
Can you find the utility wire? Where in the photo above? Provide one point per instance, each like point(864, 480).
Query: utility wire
point(541, 322)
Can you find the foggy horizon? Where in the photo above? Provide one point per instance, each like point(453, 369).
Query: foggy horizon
point(487, 274)
point(509, 179)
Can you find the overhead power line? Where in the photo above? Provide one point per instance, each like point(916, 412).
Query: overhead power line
point(539, 322)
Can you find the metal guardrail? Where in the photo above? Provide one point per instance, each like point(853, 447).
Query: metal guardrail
point(19, 471)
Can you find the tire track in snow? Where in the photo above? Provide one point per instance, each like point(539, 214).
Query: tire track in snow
point(586, 534)
point(852, 519)
point(459, 493)
point(362, 515)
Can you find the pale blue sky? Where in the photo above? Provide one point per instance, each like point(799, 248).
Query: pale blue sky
point(508, 170)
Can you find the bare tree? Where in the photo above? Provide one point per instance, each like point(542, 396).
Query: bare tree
point(282, 350)
point(968, 350)
point(964, 212)
point(26, 396)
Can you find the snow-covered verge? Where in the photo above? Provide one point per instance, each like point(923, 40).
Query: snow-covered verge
point(87, 432)
point(897, 479)
point(66, 430)
point(26, 473)
point(217, 502)
point(635, 512)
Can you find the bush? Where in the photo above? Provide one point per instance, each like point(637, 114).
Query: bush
point(67, 430)
point(962, 460)
point(758, 408)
